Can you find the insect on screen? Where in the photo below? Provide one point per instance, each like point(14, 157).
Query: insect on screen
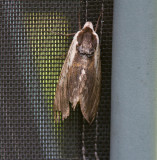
point(33, 48)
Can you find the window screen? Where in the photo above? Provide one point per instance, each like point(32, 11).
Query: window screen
point(31, 58)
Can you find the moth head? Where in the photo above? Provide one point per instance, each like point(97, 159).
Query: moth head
point(87, 40)
point(89, 25)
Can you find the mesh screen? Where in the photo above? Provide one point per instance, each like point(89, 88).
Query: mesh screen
point(31, 58)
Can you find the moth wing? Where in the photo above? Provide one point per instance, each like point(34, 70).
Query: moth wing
point(90, 91)
point(61, 101)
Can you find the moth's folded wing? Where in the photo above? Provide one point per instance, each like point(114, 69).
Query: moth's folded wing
point(73, 81)
point(90, 94)
point(61, 101)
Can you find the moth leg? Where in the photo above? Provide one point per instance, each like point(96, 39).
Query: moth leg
point(96, 137)
point(62, 34)
point(57, 116)
point(83, 142)
point(61, 56)
point(58, 57)
point(69, 34)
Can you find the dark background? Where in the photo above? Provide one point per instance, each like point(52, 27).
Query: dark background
point(27, 128)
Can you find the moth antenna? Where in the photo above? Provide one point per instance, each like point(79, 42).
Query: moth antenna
point(79, 20)
point(86, 9)
point(99, 18)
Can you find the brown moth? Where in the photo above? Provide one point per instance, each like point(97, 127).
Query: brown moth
point(80, 78)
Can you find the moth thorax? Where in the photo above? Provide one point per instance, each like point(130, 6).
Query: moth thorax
point(86, 42)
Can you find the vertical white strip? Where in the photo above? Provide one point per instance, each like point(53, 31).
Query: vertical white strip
point(133, 80)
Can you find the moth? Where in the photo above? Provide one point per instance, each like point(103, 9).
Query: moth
point(80, 78)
